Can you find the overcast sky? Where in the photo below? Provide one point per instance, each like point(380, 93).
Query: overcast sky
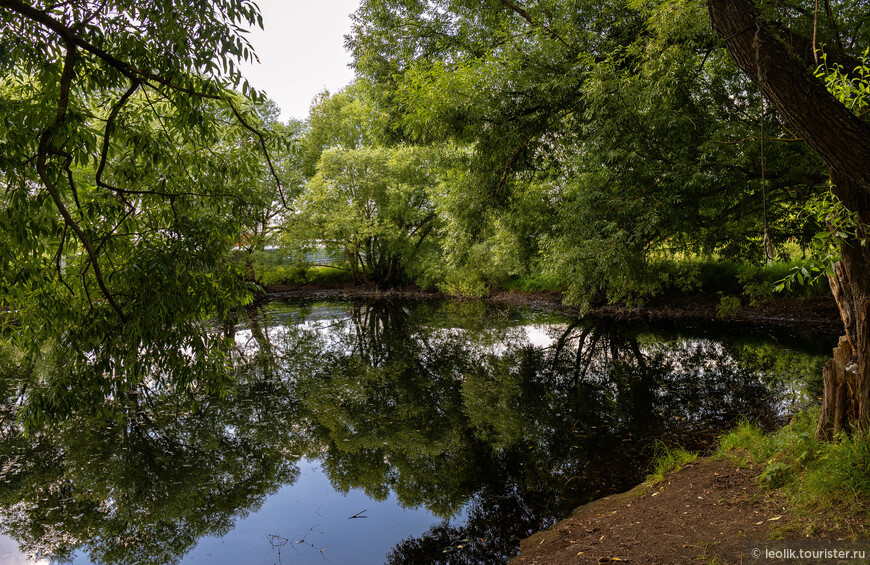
point(301, 51)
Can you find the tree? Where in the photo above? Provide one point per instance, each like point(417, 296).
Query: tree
point(365, 199)
point(374, 204)
point(603, 134)
point(269, 213)
point(842, 139)
point(642, 135)
point(129, 168)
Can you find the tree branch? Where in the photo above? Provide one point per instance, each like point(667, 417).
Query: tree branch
point(529, 18)
point(46, 142)
point(110, 124)
point(835, 133)
point(130, 71)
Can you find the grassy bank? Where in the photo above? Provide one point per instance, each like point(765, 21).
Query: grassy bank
point(705, 276)
point(826, 485)
point(752, 284)
point(667, 459)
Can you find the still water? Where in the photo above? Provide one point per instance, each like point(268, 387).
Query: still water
point(388, 432)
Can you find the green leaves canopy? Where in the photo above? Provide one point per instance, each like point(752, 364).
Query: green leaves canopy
point(129, 167)
point(623, 129)
point(374, 204)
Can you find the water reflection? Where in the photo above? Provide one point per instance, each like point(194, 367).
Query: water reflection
point(510, 417)
point(11, 555)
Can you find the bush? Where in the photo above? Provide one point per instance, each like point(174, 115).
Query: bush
point(728, 306)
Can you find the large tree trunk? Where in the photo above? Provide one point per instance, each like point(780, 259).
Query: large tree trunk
point(846, 401)
point(843, 141)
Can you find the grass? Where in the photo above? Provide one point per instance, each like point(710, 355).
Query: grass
point(703, 276)
point(532, 283)
point(666, 460)
point(299, 274)
point(826, 484)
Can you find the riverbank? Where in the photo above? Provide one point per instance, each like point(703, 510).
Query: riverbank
point(705, 512)
point(783, 486)
point(817, 313)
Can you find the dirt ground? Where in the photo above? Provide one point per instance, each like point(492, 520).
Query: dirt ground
point(703, 513)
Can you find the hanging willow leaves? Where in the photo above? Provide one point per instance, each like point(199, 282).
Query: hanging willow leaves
point(129, 168)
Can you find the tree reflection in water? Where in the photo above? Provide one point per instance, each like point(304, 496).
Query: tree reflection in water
point(446, 405)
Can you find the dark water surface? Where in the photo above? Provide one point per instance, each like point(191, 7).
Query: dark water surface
point(400, 432)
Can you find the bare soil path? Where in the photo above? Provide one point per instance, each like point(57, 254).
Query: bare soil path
point(704, 513)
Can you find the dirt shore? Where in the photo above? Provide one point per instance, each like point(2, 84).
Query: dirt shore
point(818, 314)
point(708, 512)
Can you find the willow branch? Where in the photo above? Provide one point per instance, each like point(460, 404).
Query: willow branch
point(529, 18)
point(110, 125)
point(132, 72)
point(45, 148)
point(57, 259)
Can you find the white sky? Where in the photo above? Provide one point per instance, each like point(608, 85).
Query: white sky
point(301, 51)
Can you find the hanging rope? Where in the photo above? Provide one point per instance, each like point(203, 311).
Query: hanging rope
point(815, 33)
point(768, 245)
point(761, 65)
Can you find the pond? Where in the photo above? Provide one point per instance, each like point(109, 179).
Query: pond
point(389, 432)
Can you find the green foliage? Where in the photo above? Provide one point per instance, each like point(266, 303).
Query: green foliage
point(743, 437)
point(728, 306)
point(758, 283)
point(755, 287)
point(130, 168)
point(666, 460)
point(775, 475)
point(696, 275)
point(343, 120)
point(599, 136)
point(843, 228)
point(373, 205)
point(852, 86)
point(811, 474)
point(533, 283)
point(300, 274)
point(370, 203)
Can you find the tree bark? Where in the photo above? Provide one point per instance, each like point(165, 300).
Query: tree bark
point(843, 141)
point(846, 399)
point(831, 129)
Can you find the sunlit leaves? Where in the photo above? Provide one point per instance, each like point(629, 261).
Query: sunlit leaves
point(116, 251)
point(369, 202)
point(851, 87)
point(599, 135)
point(373, 204)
